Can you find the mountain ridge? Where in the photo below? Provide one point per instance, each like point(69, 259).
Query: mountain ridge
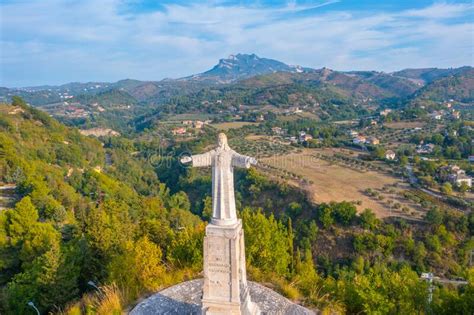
point(249, 80)
point(242, 66)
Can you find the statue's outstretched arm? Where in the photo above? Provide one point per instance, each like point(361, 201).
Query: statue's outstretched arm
point(242, 161)
point(199, 160)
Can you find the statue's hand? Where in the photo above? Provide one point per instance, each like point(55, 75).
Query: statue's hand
point(186, 159)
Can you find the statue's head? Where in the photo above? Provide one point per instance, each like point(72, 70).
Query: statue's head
point(222, 140)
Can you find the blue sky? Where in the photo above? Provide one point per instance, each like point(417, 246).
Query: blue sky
point(59, 41)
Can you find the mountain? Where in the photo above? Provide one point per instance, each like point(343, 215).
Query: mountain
point(356, 84)
point(252, 82)
point(459, 86)
point(242, 66)
point(397, 86)
point(106, 98)
point(428, 75)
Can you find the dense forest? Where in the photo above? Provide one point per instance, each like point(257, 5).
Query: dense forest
point(127, 216)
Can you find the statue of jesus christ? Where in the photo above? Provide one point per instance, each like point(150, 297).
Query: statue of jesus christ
point(223, 160)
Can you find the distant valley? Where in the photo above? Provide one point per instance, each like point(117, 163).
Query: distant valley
point(243, 86)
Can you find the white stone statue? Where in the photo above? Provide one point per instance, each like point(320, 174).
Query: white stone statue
point(223, 160)
point(225, 289)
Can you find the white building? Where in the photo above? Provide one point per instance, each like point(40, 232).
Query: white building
point(436, 115)
point(425, 148)
point(456, 175)
point(278, 131)
point(304, 136)
point(459, 179)
point(385, 112)
point(390, 155)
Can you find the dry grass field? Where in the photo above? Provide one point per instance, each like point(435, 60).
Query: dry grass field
point(299, 116)
point(405, 124)
point(328, 181)
point(232, 125)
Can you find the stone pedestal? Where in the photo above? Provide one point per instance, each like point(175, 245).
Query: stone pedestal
point(225, 289)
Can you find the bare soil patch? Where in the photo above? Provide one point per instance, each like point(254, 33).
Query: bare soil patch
point(328, 181)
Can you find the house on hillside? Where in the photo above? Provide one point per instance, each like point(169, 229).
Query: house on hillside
point(198, 124)
point(471, 158)
point(390, 155)
point(278, 131)
point(385, 112)
point(436, 115)
point(179, 131)
point(460, 179)
point(373, 141)
point(425, 148)
point(304, 136)
point(292, 139)
point(455, 175)
point(359, 140)
point(456, 114)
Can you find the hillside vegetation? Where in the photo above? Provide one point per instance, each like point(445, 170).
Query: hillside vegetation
point(458, 87)
point(135, 224)
point(78, 220)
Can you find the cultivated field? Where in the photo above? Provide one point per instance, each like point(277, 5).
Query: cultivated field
point(405, 124)
point(232, 125)
point(180, 117)
point(329, 180)
point(299, 116)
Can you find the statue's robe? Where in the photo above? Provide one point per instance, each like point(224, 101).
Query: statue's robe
point(223, 161)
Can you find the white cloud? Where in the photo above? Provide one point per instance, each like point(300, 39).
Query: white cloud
point(53, 41)
point(441, 10)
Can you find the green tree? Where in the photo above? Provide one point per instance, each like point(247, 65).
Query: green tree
point(27, 236)
point(463, 188)
point(368, 220)
point(207, 209)
point(139, 268)
point(306, 275)
point(344, 212)
point(326, 215)
point(295, 209)
point(403, 160)
point(447, 188)
point(266, 241)
point(50, 280)
point(434, 216)
point(185, 250)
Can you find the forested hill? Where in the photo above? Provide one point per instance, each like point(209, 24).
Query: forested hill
point(428, 75)
point(458, 87)
point(79, 220)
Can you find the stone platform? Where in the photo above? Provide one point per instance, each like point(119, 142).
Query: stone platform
point(185, 298)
